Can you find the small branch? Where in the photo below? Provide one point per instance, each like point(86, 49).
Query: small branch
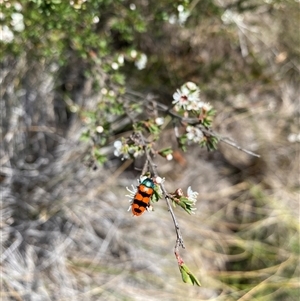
point(228, 141)
point(195, 121)
point(145, 168)
point(231, 143)
point(179, 240)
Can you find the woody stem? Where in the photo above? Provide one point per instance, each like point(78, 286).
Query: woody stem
point(195, 121)
point(179, 240)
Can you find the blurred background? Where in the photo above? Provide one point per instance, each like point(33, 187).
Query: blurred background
point(67, 71)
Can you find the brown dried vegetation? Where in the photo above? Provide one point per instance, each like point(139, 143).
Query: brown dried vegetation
point(65, 231)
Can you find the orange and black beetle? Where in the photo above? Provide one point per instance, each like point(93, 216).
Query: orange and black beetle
point(142, 198)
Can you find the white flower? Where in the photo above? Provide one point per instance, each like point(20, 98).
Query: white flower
point(172, 19)
point(133, 54)
point(104, 91)
point(192, 195)
point(96, 19)
point(119, 150)
point(111, 93)
point(126, 151)
point(17, 21)
point(196, 106)
point(159, 121)
point(169, 157)
point(121, 59)
point(18, 6)
point(115, 66)
point(99, 129)
point(159, 180)
point(187, 97)
point(293, 137)
point(6, 35)
point(191, 86)
point(182, 16)
point(118, 146)
point(180, 99)
point(194, 134)
point(141, 62)
point(206, 106)
point(132, 6)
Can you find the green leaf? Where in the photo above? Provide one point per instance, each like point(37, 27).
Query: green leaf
point(157, 195)
point(85, 136)
point(182, 141)
point(100, 158)
point(211, 112)
point(165, 151)
point(188, 276)
point(185, 276)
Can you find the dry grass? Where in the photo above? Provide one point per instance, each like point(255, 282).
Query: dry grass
point(65, 231)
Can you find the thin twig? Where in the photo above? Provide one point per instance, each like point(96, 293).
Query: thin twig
point(229, 142)
point(145, 168)
point(195, 121)
point(212, 133)
point(179, 240)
